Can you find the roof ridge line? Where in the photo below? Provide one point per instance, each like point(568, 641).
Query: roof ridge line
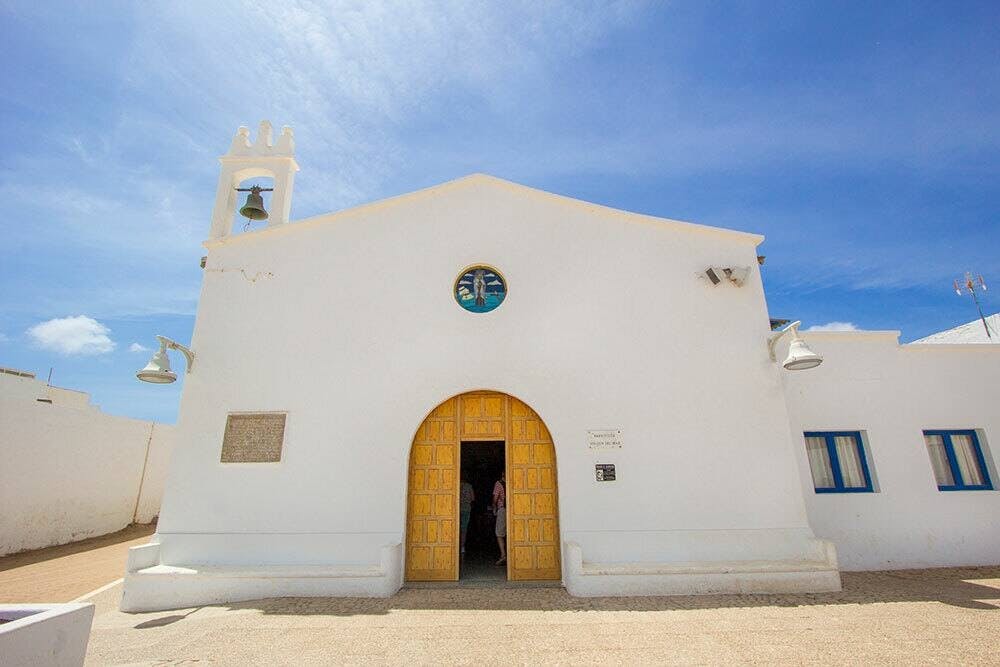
point(480, 177)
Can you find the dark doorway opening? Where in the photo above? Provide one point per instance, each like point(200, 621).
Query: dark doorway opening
point(482, 463)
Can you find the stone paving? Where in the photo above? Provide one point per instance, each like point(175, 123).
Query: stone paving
point(940, 616)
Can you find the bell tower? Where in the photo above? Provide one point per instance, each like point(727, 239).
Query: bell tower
point(246, 160)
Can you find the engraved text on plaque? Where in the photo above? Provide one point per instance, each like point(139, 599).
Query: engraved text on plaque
point(253, 438)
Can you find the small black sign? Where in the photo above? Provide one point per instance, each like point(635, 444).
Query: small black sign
point(605, 472)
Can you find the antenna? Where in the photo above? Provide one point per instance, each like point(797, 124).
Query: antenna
point(974, 286)
point(45, 397)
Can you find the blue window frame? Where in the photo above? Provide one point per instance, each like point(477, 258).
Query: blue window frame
point(958, 461)
point(837, 462)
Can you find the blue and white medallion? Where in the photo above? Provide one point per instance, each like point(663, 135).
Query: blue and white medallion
point(480, 289)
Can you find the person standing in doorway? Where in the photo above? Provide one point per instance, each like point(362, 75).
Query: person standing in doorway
point(467, 496)
point(500, 507)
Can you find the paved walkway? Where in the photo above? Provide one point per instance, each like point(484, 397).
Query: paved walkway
point(944, 616)
point(64, 573)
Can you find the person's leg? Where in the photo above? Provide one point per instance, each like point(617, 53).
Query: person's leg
point(463, 530)
point(501, 532)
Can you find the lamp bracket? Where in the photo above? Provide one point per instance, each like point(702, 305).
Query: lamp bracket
point(166, 343)
point(773, 339)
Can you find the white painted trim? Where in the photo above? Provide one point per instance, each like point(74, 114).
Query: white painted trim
point(471, 179)
point(98, 591)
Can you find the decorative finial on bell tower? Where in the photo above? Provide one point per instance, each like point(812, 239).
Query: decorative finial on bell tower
point(261, 158)
point(241, 142)
point(286, 142)
point(264, 135)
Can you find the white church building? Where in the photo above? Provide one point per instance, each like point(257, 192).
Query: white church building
point(348, 372)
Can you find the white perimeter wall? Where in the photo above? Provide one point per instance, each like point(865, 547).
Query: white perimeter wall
point(892, 393)
point(69, 471)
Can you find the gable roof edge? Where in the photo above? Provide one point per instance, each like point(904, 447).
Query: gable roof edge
point(323, 218)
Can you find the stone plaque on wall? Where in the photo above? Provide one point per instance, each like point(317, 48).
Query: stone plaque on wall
point(253, 438)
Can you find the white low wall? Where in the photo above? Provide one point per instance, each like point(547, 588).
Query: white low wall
point(798, 574)
point(150, 586)
point(69, 471)
point(53, 635)
point(891, 393)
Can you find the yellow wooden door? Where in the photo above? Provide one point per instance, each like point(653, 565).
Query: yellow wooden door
point(532, 512)
point(432, 503)
point(483, 415)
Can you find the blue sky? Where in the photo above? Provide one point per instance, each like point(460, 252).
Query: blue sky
point(863, 139)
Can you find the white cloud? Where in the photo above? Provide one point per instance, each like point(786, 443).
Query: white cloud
point(136, 347)
point(72, 335)
point(3, 337)
point(834, 326)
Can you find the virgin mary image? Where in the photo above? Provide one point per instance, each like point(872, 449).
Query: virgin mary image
point(479, 287)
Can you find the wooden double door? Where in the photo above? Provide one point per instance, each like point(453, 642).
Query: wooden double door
point(433, 487)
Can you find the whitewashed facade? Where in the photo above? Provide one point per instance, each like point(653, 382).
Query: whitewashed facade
point(348, 324)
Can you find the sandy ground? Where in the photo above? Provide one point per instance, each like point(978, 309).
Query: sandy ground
point(64, 573)
point(942, 616)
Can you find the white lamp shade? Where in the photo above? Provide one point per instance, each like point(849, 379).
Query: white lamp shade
point(800, 357)
point(158, 370)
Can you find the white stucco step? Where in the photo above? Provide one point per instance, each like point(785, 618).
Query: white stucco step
point(270, 571)
point(152, 586)
point(807, 574)
point(722, 567)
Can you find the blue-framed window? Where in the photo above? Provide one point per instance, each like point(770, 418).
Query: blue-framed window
point(958, 461)
point(837, 462)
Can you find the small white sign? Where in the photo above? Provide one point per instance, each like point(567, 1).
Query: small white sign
point(605, 439)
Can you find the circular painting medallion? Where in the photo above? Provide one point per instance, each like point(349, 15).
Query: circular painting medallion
point(480, 289)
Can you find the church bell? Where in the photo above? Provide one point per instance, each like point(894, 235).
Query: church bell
point(254, 207)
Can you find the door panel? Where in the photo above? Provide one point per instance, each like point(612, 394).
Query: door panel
point(432, 503)
point(533, 529)
point(432, 499)
point(483, 416)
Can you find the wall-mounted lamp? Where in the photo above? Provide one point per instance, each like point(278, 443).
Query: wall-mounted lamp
point(800, 357)
point(158, 370)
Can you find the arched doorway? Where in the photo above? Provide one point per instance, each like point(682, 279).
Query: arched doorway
point(432, 514)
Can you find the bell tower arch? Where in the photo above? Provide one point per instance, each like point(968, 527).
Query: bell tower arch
point(262, 158)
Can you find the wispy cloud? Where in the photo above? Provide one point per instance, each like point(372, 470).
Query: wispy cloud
point(126, 198)
point(353, 76)
point(78, 335)
point(869, 163)
point(833, 326)
point(136, 347)
point(384, 98)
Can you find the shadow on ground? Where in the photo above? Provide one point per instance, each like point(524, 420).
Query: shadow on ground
point(160, 621)
point(970, 588)
point(22, 558)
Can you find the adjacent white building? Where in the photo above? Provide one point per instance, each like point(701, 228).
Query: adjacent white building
point(349, 370)
point(70, 471)
point(985, 330)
